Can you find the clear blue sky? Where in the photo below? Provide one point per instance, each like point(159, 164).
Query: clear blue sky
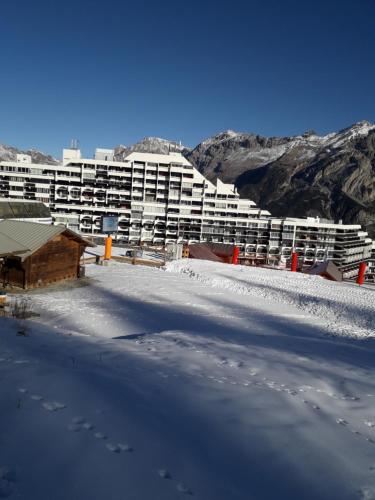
point(111, 71)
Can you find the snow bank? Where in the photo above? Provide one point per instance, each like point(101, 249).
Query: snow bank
point(347, 310)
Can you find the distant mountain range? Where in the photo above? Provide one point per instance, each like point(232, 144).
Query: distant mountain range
point(9, 153)
point(331, 176)
point(151, 145)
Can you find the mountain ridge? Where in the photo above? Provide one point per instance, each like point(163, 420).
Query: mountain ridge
point(330, 176)
point(9, 153)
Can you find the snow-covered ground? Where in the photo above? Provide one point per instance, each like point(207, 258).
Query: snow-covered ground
point(116, 251)
point(203, 380)
point(343, 308)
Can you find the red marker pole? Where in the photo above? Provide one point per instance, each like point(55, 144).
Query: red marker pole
point(235, 254)
point(361, 273)
point(294, 265)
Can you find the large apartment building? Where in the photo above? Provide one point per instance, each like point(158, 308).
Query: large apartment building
point(161, 199)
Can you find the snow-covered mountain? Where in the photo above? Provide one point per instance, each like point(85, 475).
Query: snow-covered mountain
point(151, 145)
point(9, 153)
point(331, 176)
point(229, 154)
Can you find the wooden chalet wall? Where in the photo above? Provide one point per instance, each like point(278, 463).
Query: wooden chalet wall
point(55, 261)
point(12, 272)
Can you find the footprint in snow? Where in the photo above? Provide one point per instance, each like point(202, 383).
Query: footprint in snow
point(113, 448)
point(341, 421)
point(349, 398)
point(53, 406)
point(7, 473)
point(22, 390)
point(182, 488)
point(99, 435)
point(366, 493)
point(235, 364)
point(164, 474)
point(6, 488)
point(125, 447)
point(36, 397)
point(87, 426)
point(7, 480)
point(291, 392)
point(78, 420)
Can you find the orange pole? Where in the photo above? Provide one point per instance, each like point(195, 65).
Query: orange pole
point(361, 273)
point(235, 254)
point(294, 262)
point(108, 248)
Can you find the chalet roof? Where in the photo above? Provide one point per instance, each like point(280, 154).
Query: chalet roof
point(8, 246)
point(30, 236)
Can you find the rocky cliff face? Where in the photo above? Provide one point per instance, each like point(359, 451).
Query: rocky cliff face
point(9, 153)
point(331, 176)
point(150, 145)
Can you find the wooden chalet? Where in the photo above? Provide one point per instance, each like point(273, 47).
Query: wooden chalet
point(35, 255)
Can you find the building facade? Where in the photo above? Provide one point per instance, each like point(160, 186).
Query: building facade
point(161, 199)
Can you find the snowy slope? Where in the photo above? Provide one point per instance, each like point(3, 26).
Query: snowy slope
point(160, 385)
point(342, 308)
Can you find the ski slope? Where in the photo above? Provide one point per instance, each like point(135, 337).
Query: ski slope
point(203, 380)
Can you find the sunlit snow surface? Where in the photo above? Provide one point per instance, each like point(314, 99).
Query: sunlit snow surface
point(205, 380)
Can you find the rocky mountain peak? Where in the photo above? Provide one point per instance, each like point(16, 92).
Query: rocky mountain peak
point(9, 153)
point(151, 145)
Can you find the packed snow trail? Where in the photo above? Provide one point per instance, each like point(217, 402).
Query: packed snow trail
point(150, 384)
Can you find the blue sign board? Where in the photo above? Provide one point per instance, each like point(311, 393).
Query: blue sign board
point(109, 224)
